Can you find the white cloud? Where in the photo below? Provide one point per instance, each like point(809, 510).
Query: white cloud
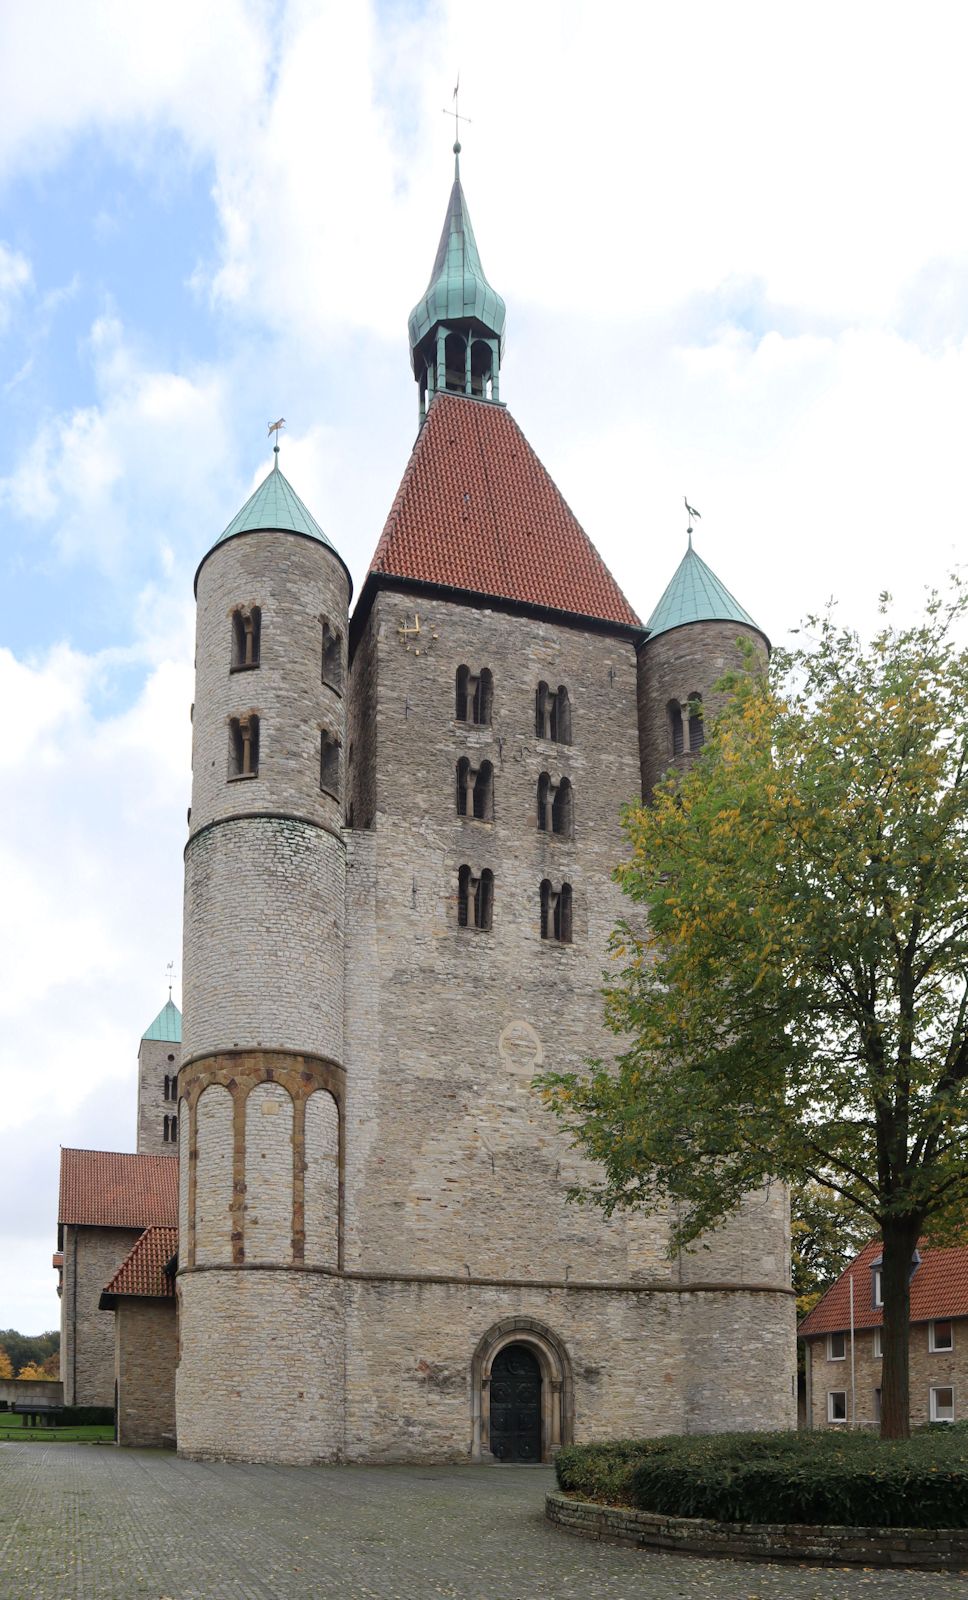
point(15, 275)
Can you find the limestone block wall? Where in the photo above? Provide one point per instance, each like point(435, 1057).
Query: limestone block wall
point(158, 1059)
point(268, 1174)
point(91, 1258)
point(928, 1368)
point(260, 1376)
point(674, 665)
point(321, 1181)
point(146, 1347)
point(214, 1176)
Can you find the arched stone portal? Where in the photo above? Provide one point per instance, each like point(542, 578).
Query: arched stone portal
point(557, 1398)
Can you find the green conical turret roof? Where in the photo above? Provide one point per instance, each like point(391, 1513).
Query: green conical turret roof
point(167, 1024)
point(695, 594)
point(458, 289)
point(275, 507)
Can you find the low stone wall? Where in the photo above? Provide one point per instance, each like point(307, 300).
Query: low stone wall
point(930, 1548)
point(21, 1391)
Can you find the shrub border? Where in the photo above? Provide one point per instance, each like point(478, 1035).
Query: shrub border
point(930, 1549)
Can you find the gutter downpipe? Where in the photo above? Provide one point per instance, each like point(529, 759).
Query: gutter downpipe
point(853, 1369)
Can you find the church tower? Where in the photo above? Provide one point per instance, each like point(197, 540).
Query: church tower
point(261, 1083)
point(159, 1058)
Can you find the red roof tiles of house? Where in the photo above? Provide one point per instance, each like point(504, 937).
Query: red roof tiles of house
point(939, 1289)
point(108, 1189)
point(142, 1272)
point(476, 511)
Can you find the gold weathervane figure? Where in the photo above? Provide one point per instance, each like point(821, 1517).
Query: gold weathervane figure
point(275, 426)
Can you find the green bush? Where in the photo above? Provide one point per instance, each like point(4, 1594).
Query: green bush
point(855, 1479)
point(86, 1417)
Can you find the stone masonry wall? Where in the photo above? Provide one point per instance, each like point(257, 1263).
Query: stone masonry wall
point(928, 1369)
point(146, 1350)
point(158, 1059)
point(268, 1174)
point(260, 1374)
point(674, 665)
point(215, 1178)
point(91, 1258)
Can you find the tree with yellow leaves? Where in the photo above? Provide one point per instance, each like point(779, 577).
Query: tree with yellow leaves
point(6, 1365)
point(798, 1004)
point(32, 1371)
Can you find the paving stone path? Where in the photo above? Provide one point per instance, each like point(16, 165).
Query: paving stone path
point(95, 1523)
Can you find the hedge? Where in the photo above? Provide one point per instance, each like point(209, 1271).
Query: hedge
point(852, 1479)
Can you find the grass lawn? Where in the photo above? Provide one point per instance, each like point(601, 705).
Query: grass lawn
point(13, 1427)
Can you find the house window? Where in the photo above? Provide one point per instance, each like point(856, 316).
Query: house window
point(475, 790)
point(941, 1336)
point(171, 1130)
point(475, 899)
point(332, 657)
point(552, 714)
point(877, 1345)
point(877, 1286)
point(836, 1346)
point(244, 746)
point(836, 1405)
point(329, 763)
point(246, 638)
point(556, 913)
point(474, 696)
point(674, 713)
point(697, 734)
point(943, 1404)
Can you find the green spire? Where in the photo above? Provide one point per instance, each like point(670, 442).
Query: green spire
point(695, 594)
point(458, 290)
point(275, 505)
point(167, 1024)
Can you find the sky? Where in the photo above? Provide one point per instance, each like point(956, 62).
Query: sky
point(733, 245)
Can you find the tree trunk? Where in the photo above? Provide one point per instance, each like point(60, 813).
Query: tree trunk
point(900, 1242)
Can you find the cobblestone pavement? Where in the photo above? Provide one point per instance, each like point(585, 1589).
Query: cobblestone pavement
point(94, 1523)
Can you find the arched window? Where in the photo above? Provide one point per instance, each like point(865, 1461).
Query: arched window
point(556, 913)
point(674, 711)
point(481, 369)
point(542, 712)
point(697, 733)
point(455, 359)
point(544, 803)
point(484, 793)
point(474, 696)
point(170, 1135)
point(475, 899)
point(332, 656)
point(562, 810)
point(464, 781)
point(329, 762)
point(246, 637)
point(244, 746)
point(552, 713)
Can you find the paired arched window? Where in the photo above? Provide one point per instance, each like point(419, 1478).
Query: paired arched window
point(244, 746)
point(556, 912)
point(171, 1086)
point(170, 1134)
point(552, 713)
point(556, 809)
point(475, 899)
point(332, 656)
point(475, 693)
point(475, 790)
point(329, 762)
point(246, 637)
point(697, 733)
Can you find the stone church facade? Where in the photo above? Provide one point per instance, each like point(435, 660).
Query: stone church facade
point(398, 896)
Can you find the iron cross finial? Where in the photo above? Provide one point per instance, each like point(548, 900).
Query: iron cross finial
point(454, 112)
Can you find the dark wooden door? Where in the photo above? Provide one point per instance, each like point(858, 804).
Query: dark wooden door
point(516, 1405)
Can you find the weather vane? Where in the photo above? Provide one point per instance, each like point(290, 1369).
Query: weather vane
point(455, 113)
point(274, 428)
point(170, 973)
point(690, 513)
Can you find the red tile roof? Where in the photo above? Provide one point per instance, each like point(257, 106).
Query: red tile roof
point(477, 511)
point(939, 1288)
point(142, 1272)
point(106, 1189)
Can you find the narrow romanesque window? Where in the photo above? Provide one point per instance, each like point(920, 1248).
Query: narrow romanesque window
point(244, 746)
point(171, 1087)
point(697, 732)
point(474, 696)
point(170, 1135)
point(484, 792)
point(674, 711)
point(332, 657)
point(475, 899)
point(562, 810)
point(544, 802)
point(329, 763)
point(246, 637)
point(542, 712)
point(556, 913)
point(465, 779)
